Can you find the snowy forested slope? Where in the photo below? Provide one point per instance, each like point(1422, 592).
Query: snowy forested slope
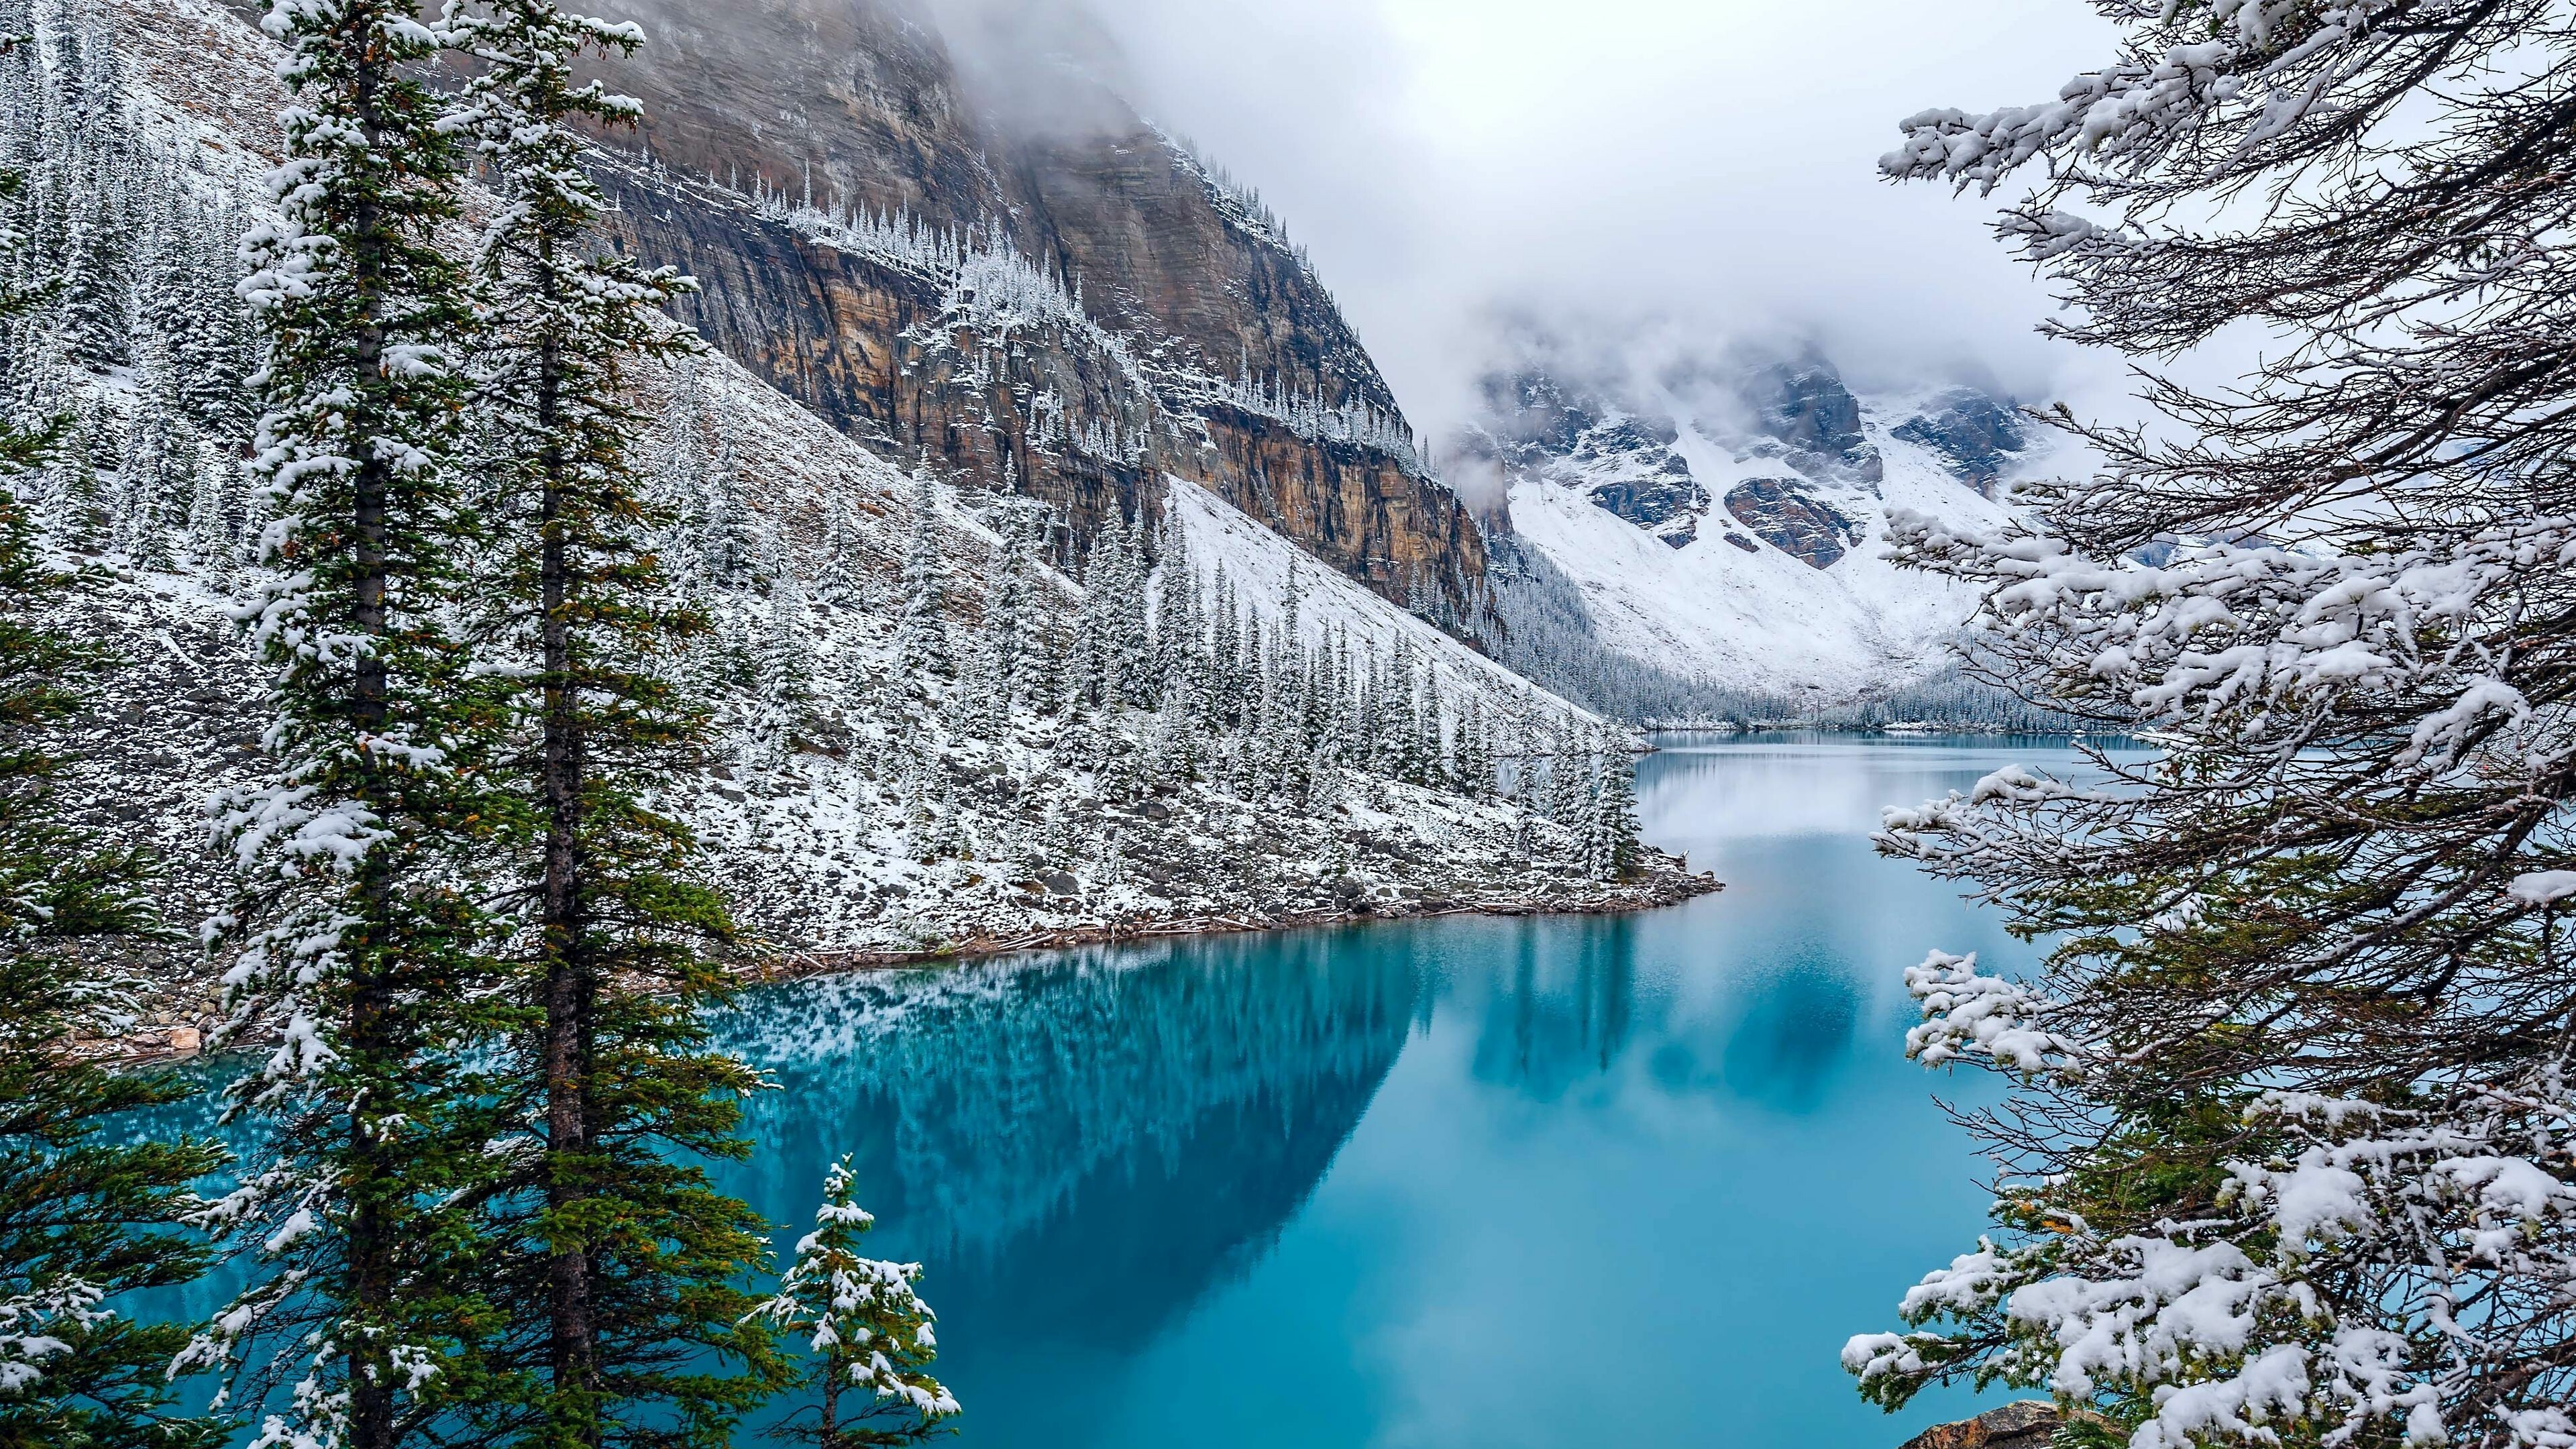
point(1269, 570)
point(943, 719)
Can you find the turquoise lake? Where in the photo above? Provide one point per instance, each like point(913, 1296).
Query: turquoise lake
point(1465, 1183)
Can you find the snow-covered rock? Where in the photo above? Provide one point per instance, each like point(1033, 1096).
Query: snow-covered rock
point(1730, 524)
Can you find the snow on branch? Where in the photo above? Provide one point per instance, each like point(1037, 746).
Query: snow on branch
point(1968, 1014)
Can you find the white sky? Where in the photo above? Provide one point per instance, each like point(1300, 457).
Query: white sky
point(1707, 167)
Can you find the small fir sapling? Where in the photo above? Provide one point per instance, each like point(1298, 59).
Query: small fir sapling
point(871, 1335)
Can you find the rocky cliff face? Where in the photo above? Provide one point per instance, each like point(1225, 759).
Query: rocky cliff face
point(1625, 464)
point(1976, 436)
point(1034, 290)
point(1785, 514)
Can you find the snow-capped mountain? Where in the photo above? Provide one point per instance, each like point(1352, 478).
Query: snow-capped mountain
point(1726, 523)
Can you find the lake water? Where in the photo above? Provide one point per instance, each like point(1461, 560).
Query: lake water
point(1466, 1183)
point(1458, 1184)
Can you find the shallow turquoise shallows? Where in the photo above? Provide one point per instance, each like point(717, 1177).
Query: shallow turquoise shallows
point(1463, 1184)
point(1468, 1183)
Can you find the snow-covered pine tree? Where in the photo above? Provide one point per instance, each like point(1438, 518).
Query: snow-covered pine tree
point(1584, 817)
point(679, 463)
point(2290, 1157)
point(174, 479)
point(1179, 631)
point(85, 506)
point(841, 580)
point(85, 1215)
point(1047, 673)
point(619, 1272)
point(786, 645)
point(1474, 775)
point(1006, 663)
point(1323, 785)
point(91, 314)
point(216, 519)
point(921, 636)
point(724, 522)
point(1287, 665)
point(215, 351)
point(1434, 747)
point(1223, 687)
point(1567, 785)
point(870, 1334)
point(1126, 634)
point(356, 938)
point(1615, 808)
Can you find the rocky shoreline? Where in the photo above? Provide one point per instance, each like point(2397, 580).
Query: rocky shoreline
point(1667, 881)
point(173, 1021)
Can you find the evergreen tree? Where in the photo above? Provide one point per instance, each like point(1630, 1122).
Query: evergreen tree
point(216, 352)
point(1323, 784)
point(620, 1268)
point(724, 537)
point(86, 514)
point(1615, 810)
point(86, 1215)
point(870, 1334)
point(786, 651)
point(82, 1220)
point(841, 579)
point(358, 940)
point(2291, 1157)
point(1434, 748)
point(921, 636)
point(1005, 666)
point(174, 478)
point(1179, 632)
point(1568, 775)
point(1586, 815)
point(1474, 776)
point(92, 311)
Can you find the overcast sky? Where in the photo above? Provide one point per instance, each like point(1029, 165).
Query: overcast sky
point(1706, 165)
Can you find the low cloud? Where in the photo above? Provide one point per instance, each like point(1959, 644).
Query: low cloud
point(1692, 174)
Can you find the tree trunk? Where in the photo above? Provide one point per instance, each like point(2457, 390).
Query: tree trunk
point(573, 1348)
point(371, 1245)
